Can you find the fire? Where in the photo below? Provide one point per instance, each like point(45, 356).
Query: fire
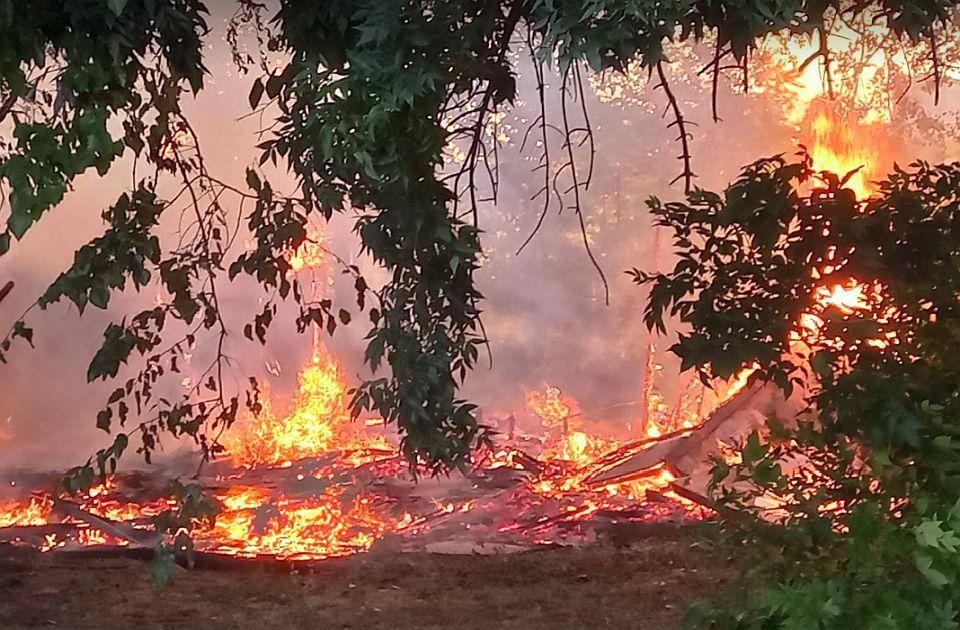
point(15, 513)
point(841, 108)
point(567, 459)
point(310, 254)
point(318, 423)
point(329, 508)
point(657, 417)
point(844, 145)
point(549, 406)
point(101, 500)
point(322, 526)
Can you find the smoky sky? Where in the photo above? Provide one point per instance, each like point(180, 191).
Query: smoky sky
point(544, 309)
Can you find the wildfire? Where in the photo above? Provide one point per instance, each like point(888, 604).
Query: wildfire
point(318, 423)
point(567, 458)
point(15, 513)
point(550, 407)
point(336, 514)
point(326, 525)
point(841, 143)
point(841, 109)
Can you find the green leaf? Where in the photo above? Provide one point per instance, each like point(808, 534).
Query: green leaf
point(256, 93)
point(929, 533)
point(753, 450)
point(162, 566)
point(18, 223)
point(253, 180)
point(117, 6)
point(924, 564)
point(103, 419)
point(20, 329)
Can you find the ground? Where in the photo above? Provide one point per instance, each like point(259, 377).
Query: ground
point(643, 583)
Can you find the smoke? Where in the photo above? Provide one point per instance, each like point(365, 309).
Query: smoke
point(544, 309)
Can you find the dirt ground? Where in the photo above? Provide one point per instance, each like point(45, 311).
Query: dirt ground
point(644, 584)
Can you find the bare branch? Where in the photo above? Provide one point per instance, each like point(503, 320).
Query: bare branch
point(545, 157)
point(937, 70)
point(684, 136)
point(577, 206)
point(587, 127)
point(715, 82)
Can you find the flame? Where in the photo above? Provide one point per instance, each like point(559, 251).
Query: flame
point(15, 513)
point(842, 115)
point(550, 407)
point(322, 526)
point(568, 460)
point(657, 416)
point(310, 255)
point(318, 423)
point(844, 145)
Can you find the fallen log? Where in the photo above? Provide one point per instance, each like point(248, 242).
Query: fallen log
point(120, 531)
point(689, 454)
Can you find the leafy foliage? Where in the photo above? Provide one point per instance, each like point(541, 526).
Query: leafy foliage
point(866, 488)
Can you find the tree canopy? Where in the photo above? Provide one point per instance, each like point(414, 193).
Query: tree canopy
point(867, 483)
point(368, 96)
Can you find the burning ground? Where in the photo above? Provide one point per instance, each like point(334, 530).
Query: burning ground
point(300, 481)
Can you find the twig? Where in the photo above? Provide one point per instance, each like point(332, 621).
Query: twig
point(681, 124)
point(937, 71)
point(715, 82)
point(545, 156)
point(578, 207)
point(5, 291)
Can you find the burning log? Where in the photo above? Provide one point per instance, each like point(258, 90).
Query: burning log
point(688, 454)
point(120, 531)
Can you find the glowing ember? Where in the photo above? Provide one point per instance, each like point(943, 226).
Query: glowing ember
point(567, 460)
point(325, 525)
point(550, 407)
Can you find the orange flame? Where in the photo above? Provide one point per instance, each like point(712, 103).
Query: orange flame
point(310, 254)
point(318, 423)
point(15, 513)
point(326, 525)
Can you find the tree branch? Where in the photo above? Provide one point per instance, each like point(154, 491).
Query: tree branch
point(684, 136)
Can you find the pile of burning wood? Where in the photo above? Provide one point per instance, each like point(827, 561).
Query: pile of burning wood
point(311, 485)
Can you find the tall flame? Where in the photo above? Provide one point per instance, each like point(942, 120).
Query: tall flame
point(318, 422)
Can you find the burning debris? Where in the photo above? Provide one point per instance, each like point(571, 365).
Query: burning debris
point(310, 484)
point(313, 485)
